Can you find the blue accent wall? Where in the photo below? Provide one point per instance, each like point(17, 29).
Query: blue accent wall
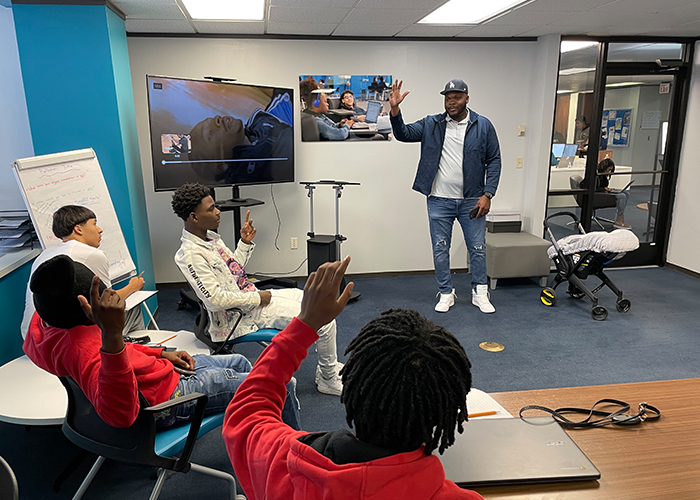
point(12, 289)
point(77, 81)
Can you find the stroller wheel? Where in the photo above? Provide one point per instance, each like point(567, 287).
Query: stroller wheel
point(623, 305)
point(548, 297)
point(599, 313)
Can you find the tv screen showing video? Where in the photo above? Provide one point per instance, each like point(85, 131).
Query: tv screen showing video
point(219, 134)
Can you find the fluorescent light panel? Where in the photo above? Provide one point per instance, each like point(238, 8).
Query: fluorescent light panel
point(469, 11)
point(575, 71)
point(226, 10)
point(567, 46)
point(623, 84)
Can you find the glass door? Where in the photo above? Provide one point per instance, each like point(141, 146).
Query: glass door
point(626, 121)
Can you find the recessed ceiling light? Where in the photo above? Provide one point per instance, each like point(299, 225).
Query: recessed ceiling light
point(469, 11)
point(226, 10)
point(575, 71)
point(567, 46)
point(624, 84)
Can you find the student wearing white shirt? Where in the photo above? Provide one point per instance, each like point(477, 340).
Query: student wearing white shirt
point(77, 227)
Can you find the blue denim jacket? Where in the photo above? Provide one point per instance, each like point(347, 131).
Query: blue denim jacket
point(482, 155)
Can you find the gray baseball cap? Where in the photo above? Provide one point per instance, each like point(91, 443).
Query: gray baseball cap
point(455, 85)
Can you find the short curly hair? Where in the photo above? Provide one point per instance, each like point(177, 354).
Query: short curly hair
point(306, 88)
point(188, 197)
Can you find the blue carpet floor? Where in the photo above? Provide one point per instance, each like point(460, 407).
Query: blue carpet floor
point(561, 346)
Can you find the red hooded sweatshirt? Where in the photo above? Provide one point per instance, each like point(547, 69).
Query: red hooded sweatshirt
point(110, 381)
point(271, 463)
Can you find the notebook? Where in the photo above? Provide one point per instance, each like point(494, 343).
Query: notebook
point(373, 110)
point(503, 451)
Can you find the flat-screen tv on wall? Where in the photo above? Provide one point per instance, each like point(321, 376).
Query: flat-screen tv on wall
point(219, 134)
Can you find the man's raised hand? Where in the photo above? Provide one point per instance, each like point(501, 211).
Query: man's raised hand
point(321, 303)
point(107, 312)
point(248, 231)
point(396, 97)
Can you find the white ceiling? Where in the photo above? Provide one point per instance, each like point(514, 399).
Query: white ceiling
point(399, 18)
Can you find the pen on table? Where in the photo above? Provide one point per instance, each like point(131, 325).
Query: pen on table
point(481, 414)
point(171, 338)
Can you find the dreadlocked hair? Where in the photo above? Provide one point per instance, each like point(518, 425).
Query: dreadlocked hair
point(405, 383)
point(188, 197)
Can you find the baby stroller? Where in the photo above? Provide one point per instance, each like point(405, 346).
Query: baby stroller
point(579, 255)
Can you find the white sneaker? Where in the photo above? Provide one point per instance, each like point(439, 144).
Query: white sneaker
point(447, 300)
point(333, 385)
point(480, 298)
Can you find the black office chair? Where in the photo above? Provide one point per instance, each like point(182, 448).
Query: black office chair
point(600, 200)
point(201, 323)
point(9, 489)
point(141, 443)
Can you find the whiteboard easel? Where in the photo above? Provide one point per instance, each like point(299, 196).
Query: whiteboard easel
point(49, 182)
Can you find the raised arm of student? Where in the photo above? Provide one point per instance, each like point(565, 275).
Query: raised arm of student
point(257, 440)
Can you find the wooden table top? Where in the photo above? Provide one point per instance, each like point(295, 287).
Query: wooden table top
point(654, 460)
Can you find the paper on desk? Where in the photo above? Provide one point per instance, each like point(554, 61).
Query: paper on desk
point(478, 401)
point(137, 297)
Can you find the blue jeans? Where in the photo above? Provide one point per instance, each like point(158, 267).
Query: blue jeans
point(621, 202)
point(218, 377)
point(442, 213)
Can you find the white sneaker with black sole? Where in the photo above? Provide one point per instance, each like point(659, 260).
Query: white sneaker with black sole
point(333, 385)
point(480, 298)
point(447, 300)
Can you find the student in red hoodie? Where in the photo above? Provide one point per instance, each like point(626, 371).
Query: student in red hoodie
point(69, 336)
point(404, 388)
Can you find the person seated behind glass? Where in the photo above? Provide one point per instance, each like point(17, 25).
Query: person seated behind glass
point(604, 169)
point(347, 102)
point(317, 105)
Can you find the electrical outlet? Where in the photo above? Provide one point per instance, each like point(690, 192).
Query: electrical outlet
point(519, 162)
point(294, 243)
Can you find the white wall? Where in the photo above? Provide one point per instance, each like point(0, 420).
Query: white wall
point(384, 220)
point(684, 240)
point(15, 136)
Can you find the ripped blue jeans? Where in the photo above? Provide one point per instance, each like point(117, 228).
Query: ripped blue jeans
point(218, 377)
point(442, 213)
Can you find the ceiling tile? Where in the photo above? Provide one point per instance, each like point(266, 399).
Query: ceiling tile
point(155, 26)
point(532, 17)
point(150, 10)
point(565, 5)
point(232, 28)
point(490, 30)
point(348, 29)
point(313, 4)
point(426, 5)
point(431, 30)
point(306, 15)
point(644, 6)
point(282, 28)
point(385, 16)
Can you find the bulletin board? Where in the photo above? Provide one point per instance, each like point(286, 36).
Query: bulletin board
point(616, 126)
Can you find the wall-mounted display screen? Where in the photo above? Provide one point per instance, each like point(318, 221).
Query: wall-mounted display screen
point(219, 134)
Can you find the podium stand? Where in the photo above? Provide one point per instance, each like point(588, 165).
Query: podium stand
point(322, 248)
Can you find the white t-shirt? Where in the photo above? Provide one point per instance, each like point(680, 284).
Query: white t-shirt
point(93, 258)
point(449, 180)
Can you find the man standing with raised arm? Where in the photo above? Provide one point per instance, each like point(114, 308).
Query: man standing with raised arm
point(459, 170)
